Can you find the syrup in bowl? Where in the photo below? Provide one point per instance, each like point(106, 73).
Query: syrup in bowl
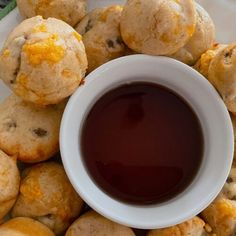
point(142, 143)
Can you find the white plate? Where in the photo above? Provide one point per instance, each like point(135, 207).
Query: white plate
point(223, 13)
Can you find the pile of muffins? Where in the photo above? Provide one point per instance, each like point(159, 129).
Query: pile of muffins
point(44, 60)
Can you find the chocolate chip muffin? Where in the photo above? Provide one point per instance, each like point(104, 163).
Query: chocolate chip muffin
point(101, 36)
point(222, 74)
point(28, 132)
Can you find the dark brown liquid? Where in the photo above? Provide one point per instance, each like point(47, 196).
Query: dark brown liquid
point(142, 143)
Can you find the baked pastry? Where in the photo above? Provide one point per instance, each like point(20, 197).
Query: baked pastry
point(9, 183)
point(43, 61)
point(221, 216)
point(47, 196)
point(28, 132)
point(192, 227)
point(70, 11)
point(204, 62)
point(101, 36)
point(233, 119)
point(202, 39)
point(22, 226)
point(157, 27)
point(93, 224)
point(222, 74)
point(229, 189)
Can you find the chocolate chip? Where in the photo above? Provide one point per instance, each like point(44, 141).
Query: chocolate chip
point(229, 180)
point(233, 198)
point(16, 72)
point(40, 132)
point(228, 54)
point(82, 82)
point(110, 43)
point(89, 26)
point(10, 125)
point(12, 81)
point(119, 40)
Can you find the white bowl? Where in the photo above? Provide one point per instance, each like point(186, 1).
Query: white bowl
point(213, 116)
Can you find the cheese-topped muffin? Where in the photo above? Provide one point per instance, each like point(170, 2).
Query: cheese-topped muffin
point(222, 74)
point(22, 226)
point(43, 61)
point(9, 183)
point(202, 39)
point(206, 58)
point(70, 11)
point(192, 227)
point(158, 27)
point(47, 196)
point(221, 216)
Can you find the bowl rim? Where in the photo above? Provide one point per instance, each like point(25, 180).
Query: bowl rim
point(96, 202)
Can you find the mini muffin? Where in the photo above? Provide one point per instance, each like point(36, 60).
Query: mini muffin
point(101, 36)
point(193, 227)
point(222, 74)
point(233, 119)
point(9, 183)
point(206, 58)
point(22, 226)
point(70, 11)
point(221, 216)
point(43, 61)
point(202, 39)
point(28, 132)
point(47, 196)
point(158, 27)
point(229, 189)
point(93, 224)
